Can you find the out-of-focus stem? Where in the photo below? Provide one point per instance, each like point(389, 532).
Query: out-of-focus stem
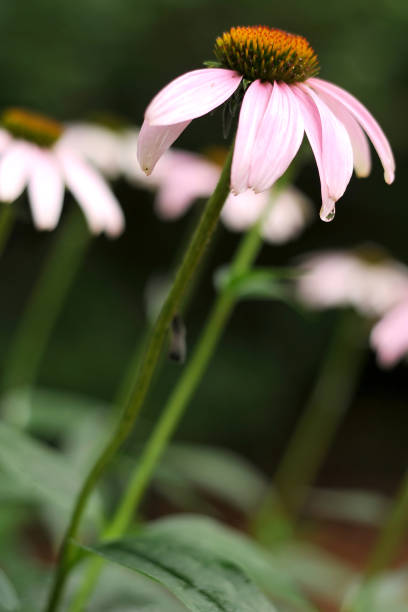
point(7, 217)
point(45, 303)
point(318, 423)
point(391, 537)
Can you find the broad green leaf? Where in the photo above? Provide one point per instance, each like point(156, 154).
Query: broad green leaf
point(40, 470)
point(215, 538)
point(203, 581)
point(222, 473)
point(8, 597)
point(349, 505)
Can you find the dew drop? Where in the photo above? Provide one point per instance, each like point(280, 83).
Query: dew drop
point(329, 216)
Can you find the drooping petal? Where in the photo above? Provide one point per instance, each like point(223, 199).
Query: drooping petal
point(14, 166)
point(101, 208)
point(154, 140)
point(358, 139)
point(365, 119)
point(279, 136)
point(250, 118)
point(45, 189)
point(192, 95)
point(331, 146)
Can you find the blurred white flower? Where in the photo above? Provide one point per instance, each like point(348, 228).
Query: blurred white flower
point(346, 278)
point(389, 337)
point(35, 154)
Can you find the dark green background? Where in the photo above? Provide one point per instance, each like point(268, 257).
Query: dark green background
point(70, 59)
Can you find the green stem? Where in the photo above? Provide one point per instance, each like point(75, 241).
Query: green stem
point(392, 534)
point(245, 256)
point(147, 367)
point(318, 423)
point(7, 217)
point(45, 303)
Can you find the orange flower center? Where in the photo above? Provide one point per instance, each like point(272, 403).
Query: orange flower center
point(30, 126)
point(269, 54)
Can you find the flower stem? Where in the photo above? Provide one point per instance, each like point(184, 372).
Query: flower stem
point(194, 252)
point(246, 254)
point(392, 533)
point(7, 216)
point(45, 303)
point(318, 423)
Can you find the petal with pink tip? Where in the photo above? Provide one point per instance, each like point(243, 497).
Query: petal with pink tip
point(101, 208)
point(45, 189)
point(5, 139)
point(192, 95)
point(252, 111)
point(154, 140)
point(365, 119)
point(335, 158)
point(14, 166)
point(279, 137)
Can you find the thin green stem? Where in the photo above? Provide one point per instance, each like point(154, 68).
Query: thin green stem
point(392, 533)
point(7, 217)
point(246, 254)
point(45, 303)
point(147, 367)
point(318, 423)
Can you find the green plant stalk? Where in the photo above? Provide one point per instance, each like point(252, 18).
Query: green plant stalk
point(194, 252)
point(314, 433)
point(45, 303)
point(7, 217)
point(245, 256)
point(392, 534)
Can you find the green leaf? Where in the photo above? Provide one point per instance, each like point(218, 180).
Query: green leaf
point(258, 563)
point(41, 471)
point(222, 473)
point(202, 580)
point(8, 597)
point(257, 283)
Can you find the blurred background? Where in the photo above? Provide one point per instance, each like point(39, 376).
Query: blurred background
point(70, 60)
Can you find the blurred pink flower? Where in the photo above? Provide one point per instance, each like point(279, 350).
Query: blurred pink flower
point(34, 154)
point(282, 101)
point(389, 337)
point(181, 177)
point(341, 278)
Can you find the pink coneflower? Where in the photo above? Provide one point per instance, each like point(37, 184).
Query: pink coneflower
point(34, 154)
point(389, 338)
point(365, 279)
point(282, 98)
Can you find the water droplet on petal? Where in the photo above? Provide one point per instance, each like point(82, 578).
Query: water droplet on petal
point(327, 215)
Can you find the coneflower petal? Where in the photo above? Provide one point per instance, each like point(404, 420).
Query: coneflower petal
point(14, 167)
point(331, 146)
point(45, 190)
point(253, 108)
point(101, 208)
point(365, 119)
point(279, 137)
point(154, 140)
point(192, 95)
